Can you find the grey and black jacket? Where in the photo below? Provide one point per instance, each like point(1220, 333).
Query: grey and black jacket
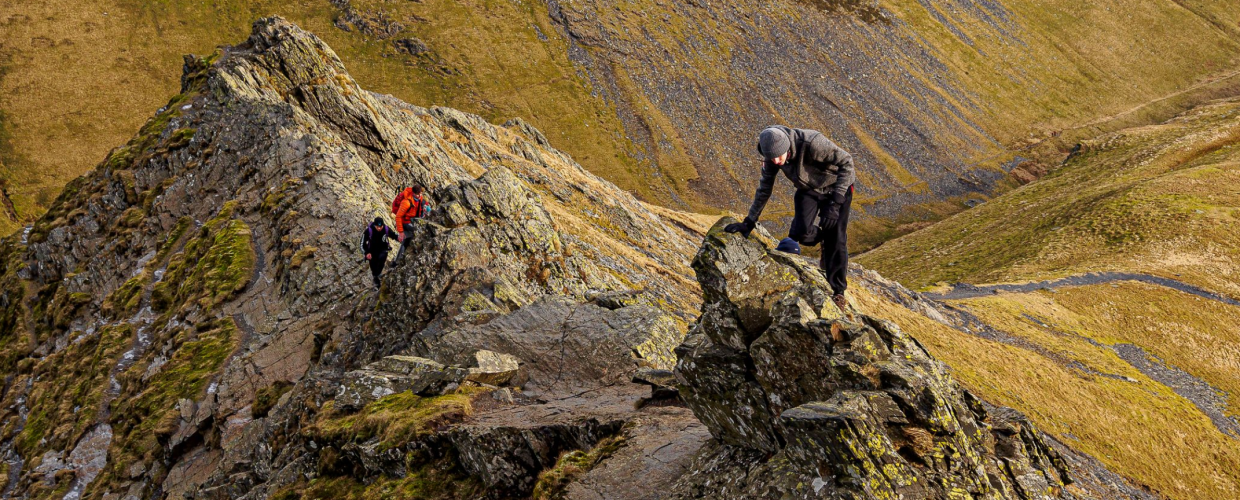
point(814, 164)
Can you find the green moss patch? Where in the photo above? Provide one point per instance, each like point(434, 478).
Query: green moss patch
point(213, 267)
point(267, 397)
point(141, 416)
point(125, 299)
point(396, 419)
point(572, 465)
point(68, 390)
point(440, 480)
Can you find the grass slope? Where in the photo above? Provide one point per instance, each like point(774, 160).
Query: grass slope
point(1155, 199)
point(74, 78)
point(1133, 424)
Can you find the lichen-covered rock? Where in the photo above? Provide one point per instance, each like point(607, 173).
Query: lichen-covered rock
point(508, 459)
point(492, 368)
point(394, 374)
point(564, 346)
point(835, 409)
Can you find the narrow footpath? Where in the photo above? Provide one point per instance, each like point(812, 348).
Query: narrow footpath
point(966, 291)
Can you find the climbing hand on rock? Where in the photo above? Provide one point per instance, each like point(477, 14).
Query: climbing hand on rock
point(740, 227)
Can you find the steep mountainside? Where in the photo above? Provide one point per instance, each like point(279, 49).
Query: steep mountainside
point(1124, 259)
point(192, 319)
point(937, 99)
point(214, 260)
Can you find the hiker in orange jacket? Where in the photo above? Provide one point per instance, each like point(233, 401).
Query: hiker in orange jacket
point(408, 205)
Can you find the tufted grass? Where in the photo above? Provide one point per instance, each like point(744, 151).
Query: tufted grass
point(1140, 429)
point(1076, 69)
point(1155, 199)
point(395, 419)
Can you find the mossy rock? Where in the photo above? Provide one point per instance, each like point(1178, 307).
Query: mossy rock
point(396, 419)
point(180, 138)
point(266, 398)
point(215, 265)
point(139, 413)
point(572, 465)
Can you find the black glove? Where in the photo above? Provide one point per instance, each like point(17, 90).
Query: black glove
point(739, 227)
point(831, 215)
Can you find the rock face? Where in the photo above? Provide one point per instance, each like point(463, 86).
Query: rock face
point(396, 374)
point(194, 319)
point(817, 406)
point(201, 295)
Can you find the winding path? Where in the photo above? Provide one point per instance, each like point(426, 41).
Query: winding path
point(1210, 400)
point(967, 291)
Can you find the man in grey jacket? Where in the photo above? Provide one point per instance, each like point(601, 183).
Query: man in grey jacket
point(823, 176)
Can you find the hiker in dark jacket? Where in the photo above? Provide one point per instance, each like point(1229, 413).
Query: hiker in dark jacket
point(823, 176)
point(375, 246)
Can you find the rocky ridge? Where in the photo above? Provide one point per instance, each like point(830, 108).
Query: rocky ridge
point(192, 319)
point(843, 408)
point(204, 288)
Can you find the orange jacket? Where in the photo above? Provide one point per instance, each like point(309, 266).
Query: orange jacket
point(409, 208)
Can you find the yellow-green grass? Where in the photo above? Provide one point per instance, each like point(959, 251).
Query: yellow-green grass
point(1199, 336)
point(1141, 429)
point(1155, 199)
point(104, 67)
point(572, 465)
point(396, 419)
point(77, 77)
point(440, 480)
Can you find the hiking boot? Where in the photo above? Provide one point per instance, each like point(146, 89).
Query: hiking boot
point(840, 302)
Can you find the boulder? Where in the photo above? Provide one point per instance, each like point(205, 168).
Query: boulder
point(662, 385)
point(832, 408)
point(563, 345)
point(395, 374)
point(493, 368)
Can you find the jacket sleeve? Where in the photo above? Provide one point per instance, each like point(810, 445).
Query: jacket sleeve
point(391, 235)
point(365, 242)
point(405, 206)
point(824, 151)
point(765, 185)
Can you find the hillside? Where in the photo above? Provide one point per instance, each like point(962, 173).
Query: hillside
point(1124, 259)
point(939, 101)
point(192, 319)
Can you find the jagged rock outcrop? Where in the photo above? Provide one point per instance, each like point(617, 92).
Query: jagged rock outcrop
point(193, 319)
point(813, 405)
point(187, 314)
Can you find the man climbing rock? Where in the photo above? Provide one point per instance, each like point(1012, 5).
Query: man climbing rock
point(408, 205)
point(375, 246)
point(823, 176)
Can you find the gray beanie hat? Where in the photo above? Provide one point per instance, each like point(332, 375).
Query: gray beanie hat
point(773, 142)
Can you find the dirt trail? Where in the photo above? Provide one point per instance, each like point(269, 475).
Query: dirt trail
point(968, 291)
point(1198, 86)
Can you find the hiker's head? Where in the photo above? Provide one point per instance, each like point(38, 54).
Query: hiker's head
point(378, 223)
point(773, 145)
point(417, 190)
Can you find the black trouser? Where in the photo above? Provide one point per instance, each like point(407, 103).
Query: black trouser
point(377, 261)
point(807, 230)
point(408, 232)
